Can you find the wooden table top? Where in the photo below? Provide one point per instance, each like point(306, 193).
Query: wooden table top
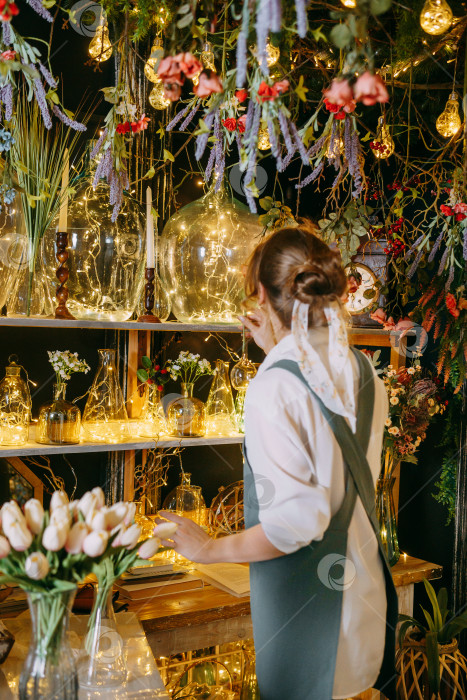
point(168, 612)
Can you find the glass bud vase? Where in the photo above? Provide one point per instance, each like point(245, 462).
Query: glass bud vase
point(152, 423)
point(186, 416)
point(386, 515)
point(15, 406)
point(49, 672)
point(220, 410)
point(189, 500)
point(241, 375)
point(59, 420)
point(102, 662)
point(105, 417)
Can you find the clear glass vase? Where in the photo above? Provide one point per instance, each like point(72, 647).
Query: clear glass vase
point(13, 241)
point(152, 423)
point(189, 500)
point(59, 421)
point(241, 375)
point(15, 406)
point(30, 294)
point(203, 248)
point(386, 515)
point(49, 672)
point(105, 417)
point(186, 416)
point(102, 661)
point(220, 410)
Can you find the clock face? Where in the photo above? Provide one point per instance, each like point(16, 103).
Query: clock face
point(366, 280)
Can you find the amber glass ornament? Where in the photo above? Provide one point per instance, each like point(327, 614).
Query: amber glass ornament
point(15, 406)
point(435, 17)
point(449, 121)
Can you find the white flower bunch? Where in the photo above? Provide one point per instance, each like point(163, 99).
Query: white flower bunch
point(188, 367)
point(66, 363)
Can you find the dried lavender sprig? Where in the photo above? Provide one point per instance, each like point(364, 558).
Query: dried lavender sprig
point(287, 160)
point(275, 148)
point(275, 7)
point(220, 167)
point(252, 137)
point(435, 247)
point(318, 144)
point(210, 165)
point(339, 176)
point(103, 169)
point(6, 96)
point(38, 7)
point(413, 246)
point(285, 132)
point(262, 30)
point(299, 143)
point(50, 80)
point(188, 119)
point(415, 264)
point(300, 9)
point(177, 118)
point(249, 117)
point(98, 145)
point(464, 245)
point(354, 167)
point(242, 45)
point(443, 262)
point(312, 176)
point(202, 140)
point(239, 141)
point(39, 92)
point(77, 126)
point(332, 138)
point(250, 201)
point(6, 33)
point(450, 279)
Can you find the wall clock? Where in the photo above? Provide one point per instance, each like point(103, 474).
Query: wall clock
point(371, 264)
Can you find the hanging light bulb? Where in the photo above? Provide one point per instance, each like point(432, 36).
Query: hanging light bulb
point(155, 57)
point(264, 143)
point(100, 46)
point(349, 3)
point(449, 121)
point(384, 144)
point(273, 54)
point(207, 56)
point(436, 17)
point(156, 98)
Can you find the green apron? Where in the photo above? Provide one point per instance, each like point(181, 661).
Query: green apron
point(296, 599)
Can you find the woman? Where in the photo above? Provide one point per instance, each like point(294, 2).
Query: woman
point(324, 607)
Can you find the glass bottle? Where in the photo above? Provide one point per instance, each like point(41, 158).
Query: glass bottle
point(30, 294)
point(49, 672)
point(13, 244)
point(144, 521)
point(220, 411)
point(241, 375)
point(179, 500)
point(385, 512)
point(59, 420)
point(203, 247)
point(15, 406)
point(152, 422)
point(105, 417)
point(186, 415)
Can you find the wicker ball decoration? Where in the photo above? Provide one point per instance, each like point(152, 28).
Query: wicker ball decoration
point(411, 666)
point(226, 511)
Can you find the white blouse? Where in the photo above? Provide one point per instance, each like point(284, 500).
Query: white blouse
point(300, 483)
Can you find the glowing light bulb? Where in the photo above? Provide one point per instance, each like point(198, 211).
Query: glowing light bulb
point(156, 98)
point(449, 121)
point(436, 17)
point(273, 54)
point(155, 57)
point(349, 3)
point(100, 46)
point(207, 57)
point(383, 144)
point(264, 143)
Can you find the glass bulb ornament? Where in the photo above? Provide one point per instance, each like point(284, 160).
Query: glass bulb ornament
point(264, 143)
point(350, 4)
point(151, 422)
point(383, 144)
point(273, 53)
point(155, 57)
point(203, 247)
point(100, 46)
point(157, 98)
point(220, 410)
point(435, 17)
point(105, 417)
point(15, 406)
point(207, 56)
point(449, 121)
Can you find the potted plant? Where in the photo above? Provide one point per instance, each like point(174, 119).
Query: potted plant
point(429, 662)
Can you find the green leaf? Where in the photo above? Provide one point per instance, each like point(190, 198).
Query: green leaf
point(142, 375)
point(369, 293)
point(150, 173)
point(146, 362)
point(168, 156)
point(434, 602)
point(377, 7)
point(367, 137)
point(432, 657)
point(443, 603)
point(202, 128)
point(341, 36)
point(185, 21)
point(318, 34)
point(429, 619)
point(266, 203)
point(301, 90)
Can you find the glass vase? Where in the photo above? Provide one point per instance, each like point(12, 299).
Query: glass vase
point(49, 672)
point(102, 662)
point(105, 417)
point(203, 248)
point(152, 423)
point(15, 406)
point(13, 240)
point(186, 416)
point(106, 259)
point(189, 500)
point(386, 515)
point(220, 410)
point(30, 294)
point(241, 375)
point(59, 421)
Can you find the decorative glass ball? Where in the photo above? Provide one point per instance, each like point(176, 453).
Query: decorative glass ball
point(157, 98)
point(449, 121)
point(435, 17)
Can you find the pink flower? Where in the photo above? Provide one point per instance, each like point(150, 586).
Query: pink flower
point(140, 125)
point(169, 70)
point(20, 536)
point(149, 548)
point(460, 208)
point(241, 121)
point(404, 324)
point(379, 315)
point(76, 537)
point(95, 543)
point(339, 92)
point(390, 324)
point(370, 89)
point(8, 55)
point(282, 86)
point(172, 91)
point(188, 64)
point(207, 85)
point(5, 547)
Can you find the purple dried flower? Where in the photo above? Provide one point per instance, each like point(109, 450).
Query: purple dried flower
point(354, 164)
point(38, 7)
point(6, 96)
point(177, 118)
point(241, 57)
point(300, 9)
point(220, 167)
point(299, 143)
point(275, 148)
point(188, 118)
point(99, 143)
point(312, 176)
point(39, 92)
point(104, 167)
point(415, 264)
point(464, 246)
point(450, 279)
point(287, 160)
point(77, 126)
point(239, 141)
point(285, 132)
point(443, 262)
point(251, 201)
point(50, 80)
point(318, 144)
point(262, 30)
point(6, 33)
point(339, 176)
point(202, 140)
point(435, 247)
point(275, 8)
point(413, 246)
point(210, 165)
point(249, 116)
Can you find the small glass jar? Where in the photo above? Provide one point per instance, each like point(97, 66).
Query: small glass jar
point(186, 416)
point(105, 418)
point(15, 407)
point(189, 499)
point(59, 420)
point(151, 422)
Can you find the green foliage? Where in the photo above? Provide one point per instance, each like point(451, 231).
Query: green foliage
point(277, 214)
point(447, 483)
point(346, 228)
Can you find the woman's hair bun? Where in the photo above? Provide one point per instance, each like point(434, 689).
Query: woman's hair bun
point(310, 280)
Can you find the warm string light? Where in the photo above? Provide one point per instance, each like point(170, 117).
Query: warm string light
point(383, 144)
point(264, 143)
point(100, 46)
point(349, 3)
point(273, 54)
point(155, 57)
point(157, 98)
point(207, 57)
point(435, 17)
point(449, 121)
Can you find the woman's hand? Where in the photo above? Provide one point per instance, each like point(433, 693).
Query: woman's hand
point(189, 540)
point(260, 328)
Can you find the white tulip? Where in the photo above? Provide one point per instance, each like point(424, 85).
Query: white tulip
point(129, 537)
point(54, 537)
point(36, 566)
point(76, 537)
point(5, 547)
point(149, 548)
point(87, 502)
point(117, 513)
point(165, 530)
point(99, 494)
point(95, 543)
point(11, 505)
point(12, 514)
point(130, 514)
point(61, 517)
point(74, 507)
point(34, 514)
point(59, 499)
point(19, 535)
point(100, 520)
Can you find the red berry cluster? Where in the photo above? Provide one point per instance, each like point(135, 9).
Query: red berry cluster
point(395, 246)
point(397, 184)
point(373, 191)
point(379, 147)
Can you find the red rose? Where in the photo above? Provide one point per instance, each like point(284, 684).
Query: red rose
point(353, 283)
point(447, 211)
point(157, 368)
point(149, 381)
point(339, 115)
point(266, 92)
point(460, 217)
point(241, 95)
point(451, 303)
point(8, 55)
point(459, 208)
point(230, 124)
point(241, 123)
point(160, 387)
point(123, 128)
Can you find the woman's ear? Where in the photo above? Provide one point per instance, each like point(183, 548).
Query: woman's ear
point(262, 296)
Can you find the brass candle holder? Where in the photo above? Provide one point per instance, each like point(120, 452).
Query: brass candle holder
point(62, 275)
point(149, 316)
